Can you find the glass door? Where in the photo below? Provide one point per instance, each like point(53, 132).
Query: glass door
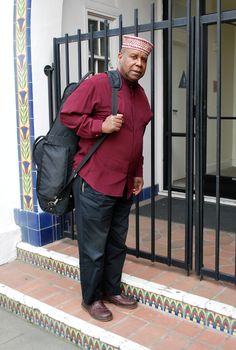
point(209, 71)
point(228, 110)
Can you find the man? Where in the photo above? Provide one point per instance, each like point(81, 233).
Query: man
point(104, 188)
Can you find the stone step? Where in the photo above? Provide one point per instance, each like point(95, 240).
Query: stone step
point(199, 310)
point(53, 303)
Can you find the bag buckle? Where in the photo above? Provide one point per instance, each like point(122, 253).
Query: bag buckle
point(52, 204)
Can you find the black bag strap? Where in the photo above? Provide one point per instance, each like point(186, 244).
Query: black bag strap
point(115, 81)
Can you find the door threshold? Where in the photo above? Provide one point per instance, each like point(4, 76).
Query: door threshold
point(208, 199)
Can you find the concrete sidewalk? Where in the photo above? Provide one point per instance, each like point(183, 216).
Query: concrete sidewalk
point(18, 334)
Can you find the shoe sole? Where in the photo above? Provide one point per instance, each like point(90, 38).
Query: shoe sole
point(97, 318)
point(129, 307)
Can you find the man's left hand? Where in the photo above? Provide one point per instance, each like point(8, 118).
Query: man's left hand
point(138, 185)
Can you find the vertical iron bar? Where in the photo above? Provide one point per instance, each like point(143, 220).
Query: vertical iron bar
point(79, 55)
point(137, 227)
point(72, 225)
point(120, 31)
point(199, 198)
point(218, 139)
point(188, 145)
point(169, 233)
point(48, 72)
point(192, 142)
point(62, 225)
point(153, 135)
point(67, 60)
point(234, 260)
point(92, 67)
point(137, 217)
point(57, 76)
point(106, 45)
point(136, 22)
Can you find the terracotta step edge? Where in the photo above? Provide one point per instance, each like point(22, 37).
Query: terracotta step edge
point(195, 308)
point(62, 324)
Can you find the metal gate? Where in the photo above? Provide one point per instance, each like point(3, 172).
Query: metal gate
point(162, 235)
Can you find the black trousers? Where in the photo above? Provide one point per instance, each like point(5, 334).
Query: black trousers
point(102, 226)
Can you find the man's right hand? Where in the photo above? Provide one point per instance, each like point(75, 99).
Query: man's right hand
point(112, 123)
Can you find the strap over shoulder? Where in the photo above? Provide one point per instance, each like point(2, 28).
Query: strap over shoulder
point(115, 79)
point(116, 82)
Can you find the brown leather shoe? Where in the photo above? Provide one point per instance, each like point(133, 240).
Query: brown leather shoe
point(98, 310)
point(122, 300)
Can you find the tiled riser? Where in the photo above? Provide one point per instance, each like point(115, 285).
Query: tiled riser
point(52, 325)
point(159, 301)
point(72, 329)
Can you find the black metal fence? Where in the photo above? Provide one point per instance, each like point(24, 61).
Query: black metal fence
point(194, 24)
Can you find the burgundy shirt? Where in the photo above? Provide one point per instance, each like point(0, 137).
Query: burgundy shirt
point(119, 159)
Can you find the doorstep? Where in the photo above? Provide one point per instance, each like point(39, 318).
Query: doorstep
point(200, 310)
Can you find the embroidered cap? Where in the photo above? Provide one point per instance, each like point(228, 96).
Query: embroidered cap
point(135, 42)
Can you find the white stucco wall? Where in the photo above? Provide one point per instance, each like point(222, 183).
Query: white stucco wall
point(9, 174)
point(45, 25)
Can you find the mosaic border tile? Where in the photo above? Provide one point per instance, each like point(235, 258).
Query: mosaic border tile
point(59, 323)
point(50, 261)
point(202, 311)
point(24, 100)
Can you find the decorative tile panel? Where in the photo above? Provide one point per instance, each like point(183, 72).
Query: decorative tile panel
point(24, 105)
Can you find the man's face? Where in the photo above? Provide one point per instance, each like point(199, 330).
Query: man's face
point(132, 64)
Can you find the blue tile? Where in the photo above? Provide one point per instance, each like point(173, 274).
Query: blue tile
point(35, 202)
point(34, 237)
point(30, 91)
point(28, 40)
point(29, 74)
point(18, 139)
point(57, 219)
point(29, 4)
point(17, 107)
point(25, 234)
point(14, 49)
point(31, 108)
point(34, 176)
point(21, 199)
point(57, 232)
point(33, 221)
point(32, 139)
point(31, 131)
point(47, 236)
point(28, 17)
point(30, 228)
point(28, 52)
point(46, 220)
point(14, 20)
point(22, 218)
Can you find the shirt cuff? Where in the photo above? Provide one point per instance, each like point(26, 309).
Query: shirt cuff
point(97, 127)
point(139, 173)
